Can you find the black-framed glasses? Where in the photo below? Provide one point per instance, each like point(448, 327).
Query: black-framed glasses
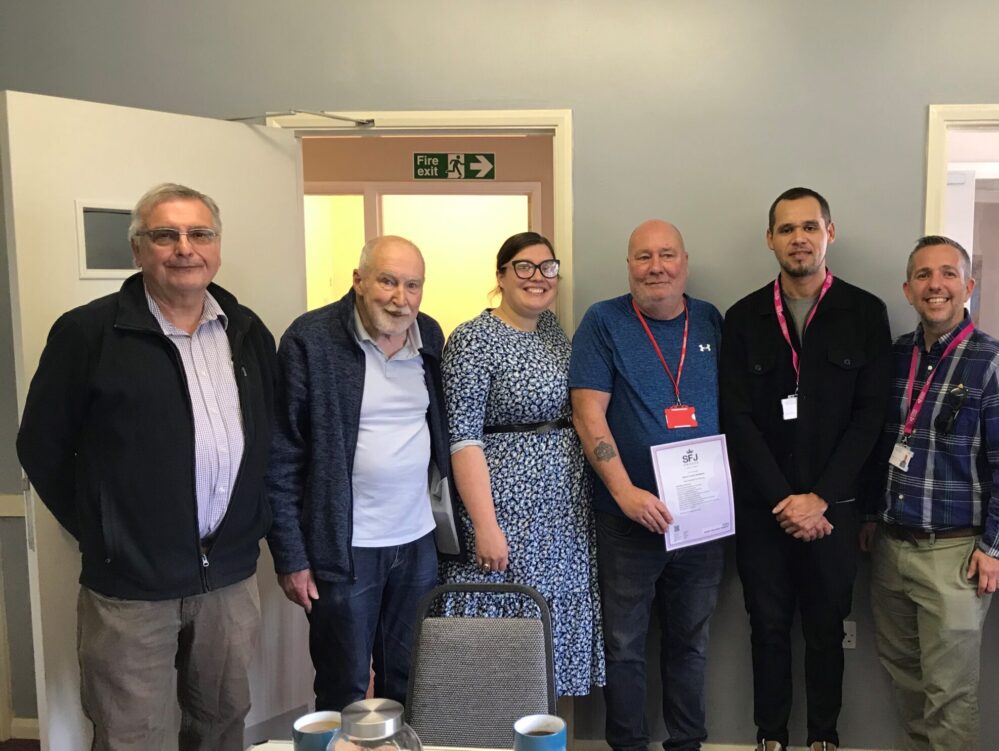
point(166, 237)
point(952, 403)
point(526, 269)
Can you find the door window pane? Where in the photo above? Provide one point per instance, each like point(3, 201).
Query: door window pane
point(334, 235)
point(459, 236)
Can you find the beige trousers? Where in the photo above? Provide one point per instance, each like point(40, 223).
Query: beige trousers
point(130, 649)
point(928, 621)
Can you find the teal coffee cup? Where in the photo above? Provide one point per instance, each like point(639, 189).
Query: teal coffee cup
point(539, 732)
point(313, 732)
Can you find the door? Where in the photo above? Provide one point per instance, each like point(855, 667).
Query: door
point(58, 155)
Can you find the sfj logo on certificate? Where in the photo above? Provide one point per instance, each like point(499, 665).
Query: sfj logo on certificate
point(695, 483)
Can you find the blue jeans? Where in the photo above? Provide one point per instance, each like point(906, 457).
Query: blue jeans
point(370, 622)
point(636, 571)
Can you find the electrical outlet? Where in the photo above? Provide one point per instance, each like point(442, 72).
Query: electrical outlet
point(849, 634)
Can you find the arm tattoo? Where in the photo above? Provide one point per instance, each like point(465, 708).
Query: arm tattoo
point(604, 452)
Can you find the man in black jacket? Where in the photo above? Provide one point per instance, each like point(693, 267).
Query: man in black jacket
point(804, 383)
point(146, 432)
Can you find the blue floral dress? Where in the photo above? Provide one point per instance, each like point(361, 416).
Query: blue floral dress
point(495, 374)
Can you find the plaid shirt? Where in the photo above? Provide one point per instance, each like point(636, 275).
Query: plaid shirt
point(953, 478)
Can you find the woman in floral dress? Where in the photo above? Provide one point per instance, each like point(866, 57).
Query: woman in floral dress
point(518, 464)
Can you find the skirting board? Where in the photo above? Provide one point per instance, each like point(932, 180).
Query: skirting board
point(24, 727)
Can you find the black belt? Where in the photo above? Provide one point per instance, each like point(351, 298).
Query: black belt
point(908, 534)
point(530, 427)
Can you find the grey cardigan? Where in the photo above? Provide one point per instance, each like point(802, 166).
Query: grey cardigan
point(318, 409)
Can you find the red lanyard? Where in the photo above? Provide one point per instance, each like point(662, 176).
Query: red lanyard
point(914, 409)
point(779, 307)
point(683, 347)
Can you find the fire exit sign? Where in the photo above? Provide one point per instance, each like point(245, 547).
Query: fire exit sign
point(454, 166)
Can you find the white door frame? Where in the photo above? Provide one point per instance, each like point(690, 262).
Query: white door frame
point(557, 123)
point(941, 118)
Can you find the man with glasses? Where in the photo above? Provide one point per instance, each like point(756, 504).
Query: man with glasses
point(935, 541)
point(146, 431)
point(804, 378)
point(359, 474)
point(644, 372)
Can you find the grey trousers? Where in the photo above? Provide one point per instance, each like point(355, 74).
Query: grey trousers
point(129, 650)
point(928, 622)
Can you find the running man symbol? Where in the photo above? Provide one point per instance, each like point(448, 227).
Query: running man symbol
point(456, 166)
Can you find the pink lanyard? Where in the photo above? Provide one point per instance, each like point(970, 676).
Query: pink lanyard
point(779, 307)
point(683, 347)
point(914, 409)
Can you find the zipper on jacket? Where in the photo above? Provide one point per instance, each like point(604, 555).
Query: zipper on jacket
point(204, 571)
point(235, 347)
point(241, 391)
point(179, 364)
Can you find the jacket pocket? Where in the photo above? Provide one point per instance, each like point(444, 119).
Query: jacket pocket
point(760, 363)
point(847, 359)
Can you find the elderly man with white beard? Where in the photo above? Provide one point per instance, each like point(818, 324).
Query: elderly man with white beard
point(361, 445)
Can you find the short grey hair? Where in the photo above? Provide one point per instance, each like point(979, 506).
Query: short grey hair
point(364, 262)
point(930, 240)
point(169, 192)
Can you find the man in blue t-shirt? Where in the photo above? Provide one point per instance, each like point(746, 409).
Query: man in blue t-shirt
point(644, 371)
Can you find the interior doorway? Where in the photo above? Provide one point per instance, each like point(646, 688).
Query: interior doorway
point(369, 172)
point(962, 195)
point(357, 188)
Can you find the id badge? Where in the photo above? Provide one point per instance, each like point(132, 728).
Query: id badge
point(680, 417)
point(790, 407)
point(900, 457)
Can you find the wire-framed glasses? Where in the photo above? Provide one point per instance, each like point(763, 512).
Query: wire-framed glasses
point(168, 236)
point(526, 269)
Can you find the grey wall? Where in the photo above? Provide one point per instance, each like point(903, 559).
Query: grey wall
point(697, 111)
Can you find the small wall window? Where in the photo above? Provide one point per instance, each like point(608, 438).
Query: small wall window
point(102, 236)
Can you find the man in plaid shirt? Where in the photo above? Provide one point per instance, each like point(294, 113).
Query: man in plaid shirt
point(935, 541)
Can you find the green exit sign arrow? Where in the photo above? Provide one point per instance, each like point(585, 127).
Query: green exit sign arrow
point(476, 166)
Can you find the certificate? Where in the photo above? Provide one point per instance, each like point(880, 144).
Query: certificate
point(696, 485)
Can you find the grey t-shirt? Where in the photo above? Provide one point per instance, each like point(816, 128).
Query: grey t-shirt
point(799, 309)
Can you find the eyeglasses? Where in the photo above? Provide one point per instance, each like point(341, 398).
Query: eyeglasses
point(952, 403)
point(166, 237)
point(526, 269)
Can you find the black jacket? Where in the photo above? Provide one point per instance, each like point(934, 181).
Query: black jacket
point(842, 395)
point(107, 439)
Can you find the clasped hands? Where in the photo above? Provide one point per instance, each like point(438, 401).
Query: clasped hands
point(803, 516)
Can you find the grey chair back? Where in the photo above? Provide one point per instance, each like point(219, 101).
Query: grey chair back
point(471, 678)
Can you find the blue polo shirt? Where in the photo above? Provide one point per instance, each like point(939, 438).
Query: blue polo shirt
point(612, 353)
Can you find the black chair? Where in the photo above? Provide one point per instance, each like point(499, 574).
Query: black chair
point(472, 678)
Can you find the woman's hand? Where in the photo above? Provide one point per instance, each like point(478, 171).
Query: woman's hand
point(490, 548)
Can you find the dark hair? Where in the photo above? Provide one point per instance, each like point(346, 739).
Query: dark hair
point(795, 194)
point(517, 243)
point(927, 241)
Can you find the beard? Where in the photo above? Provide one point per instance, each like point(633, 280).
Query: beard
point(392, 322)
point(799, 270)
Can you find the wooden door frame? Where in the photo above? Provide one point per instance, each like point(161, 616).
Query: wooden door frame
point(557, 123)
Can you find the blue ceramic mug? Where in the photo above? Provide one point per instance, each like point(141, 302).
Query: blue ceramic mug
point(313, 732)
point(539, 732)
